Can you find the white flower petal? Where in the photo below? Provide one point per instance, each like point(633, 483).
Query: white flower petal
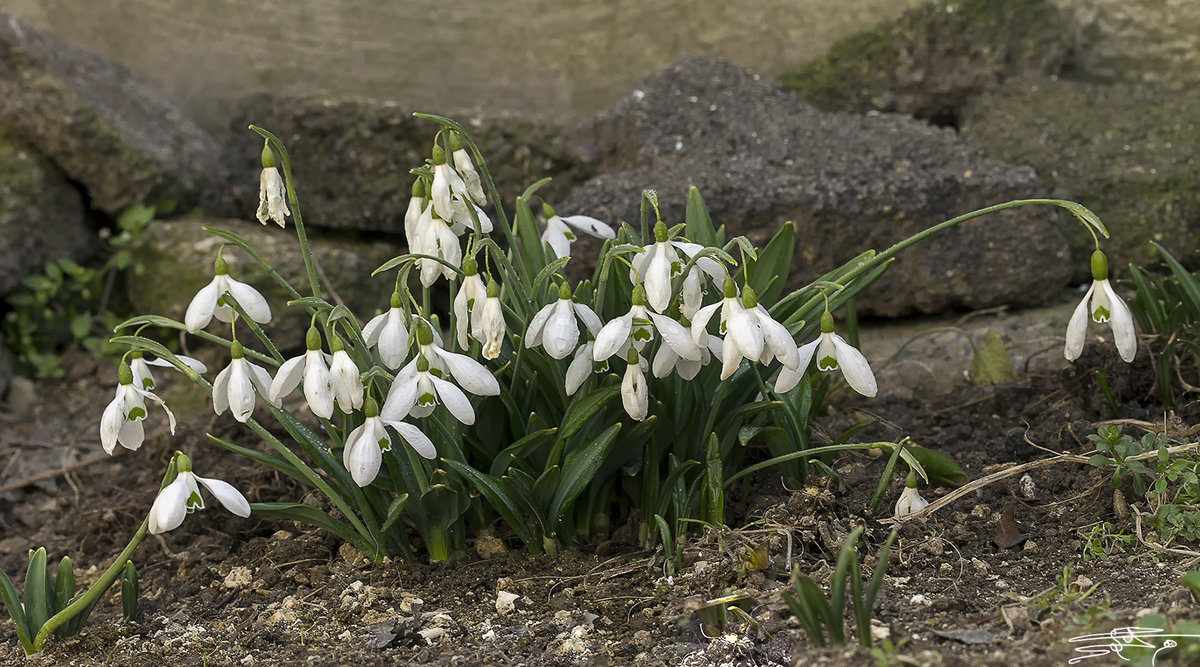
point(455, 400)
point(200, 310)
point(110, 424)
point(470, 374)
point(420, 443)
point(318, 385)
point(588, 316)
point(676, 336)
point(241, 390)
point(854, 367)
point(579, 369)
point(657, 281)
point(1077, 327)
point(533, 335)
point(251, 301)
point(561, 333)
point(362, 455)
point(612, 337)
point(777, 339)
point(590, 226)
point(1121, 322)
point(170, 507)
point(220, 391)
point(700, 323)
point(286, 379)
point(229, 497)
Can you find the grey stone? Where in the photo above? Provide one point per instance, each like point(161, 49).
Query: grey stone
point(351, 158)
point(22, 395)
point(1126, 151)
point(178, 256)
point(762, 156)
point(934, 57)
point(104, 126)
point(41, 215)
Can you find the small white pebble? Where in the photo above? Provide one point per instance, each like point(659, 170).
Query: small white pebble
point(505, 601)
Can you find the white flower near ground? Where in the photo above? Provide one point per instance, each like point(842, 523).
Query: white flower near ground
point(272, 197)
point(366, 444)
point(462, 220)
point(554, 327)
point(122, 419)
point(313, 369)
point(417, 204)
point(560, 230)
point(1101, 304)
point(446, 184)
point(235, 387)
point(204, 307)
point(416, 392)
point(581, 367)
point(437, 240)
point(667, 359)
point(182, 497)
point(142, 377)
point(910, 501)
point(637, 328)
point(833, 353)
point(388, 333)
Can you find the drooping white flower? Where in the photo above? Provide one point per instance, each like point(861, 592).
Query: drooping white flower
point(582, 365)
point(635, 396)
point(667, 359)
point(437, 240)
point(554, 326)
point(142, 377)
point(421, 384)
point(462, 220)
point(660, 262)
point(468, 373)
point(491, 322)
point(235, 386)
point(446, 184)
point(560, 230)
point(272, 197)
point(388, 332)
point(833, 353)
point(910, 500)
point(1101, 304)
point(121, 421)
point(365, 445)
point(466, 169)
point(750, 331)
point(417, 204)
point(637, 328)
point(468, 304)
point(204, 305)
point(182, 497)
point(345, 377)
point(313, 369)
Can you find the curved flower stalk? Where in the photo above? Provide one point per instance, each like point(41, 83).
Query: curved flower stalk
point(235, 386)
point(122, 419)
point(1102, 305)
point(312, 368)
point(637, 328)
point(204, 306)
point(388, 333)
point(560, 231)
point(554, 326)
point(660, 262)
point(750, 332)
point(182, 497)
point(833, 353)
point(142, 377)
point(272, 195)
point(365, 445)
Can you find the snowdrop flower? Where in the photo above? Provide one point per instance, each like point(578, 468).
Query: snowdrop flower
point(143, 378)
point(236, 385)
point(437, 239)
point(560, 231)
point(412, 216)
point(343, 373)
point(491, 322)
point(311, 367)
point(387, 333)
point(832, 353)
point(468, 373)
point(420, 385)
point(554, 326)
point(468, 304)
point(204, 305)
point(667, 359)
point(466, 170)
point(182, 497)
point(1102, 304)
point(462, 220)
point(272, 195)
point(910, 500)
point(122, 419)
point(660, 262)
point(750, 331)
point(637, 328)
point(582, 365)
point(446, 184)
point(366, 444)
point(634, 395)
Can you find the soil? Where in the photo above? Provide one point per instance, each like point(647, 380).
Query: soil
point(221, 590)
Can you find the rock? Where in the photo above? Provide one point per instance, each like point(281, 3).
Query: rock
point(933, 58)
point(41, 215)
point(761, 156)
point(351, 158)
point(178, 259)
point(104, 126)
point(1126, 151)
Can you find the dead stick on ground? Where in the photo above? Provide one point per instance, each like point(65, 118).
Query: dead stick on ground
point(51, 474)
point(1011, 472)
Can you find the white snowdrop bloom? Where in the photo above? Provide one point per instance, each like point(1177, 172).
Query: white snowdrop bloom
point(491, 323)
point(635, 396)
point(313, 369)
point(143, 378)
point(272, 197)
point(667, 359)
point(660, 262)
point(560, 230)
point(462, 220)
point(910, 500)
point(418, 389)
point(121, 421)
point(833, 353)
point(467, 372)
point(347, 381)
point(388, 333)
point(439, 241)
point(235, 386)
point(182, 497)
point(417, 204)
point(1102, 305)
point(466, 169)
point(366, 444)
point(204, 305)
point(468, 304)
point(554, 326)
point(446, 184)
point(750, 331)
point(582, 365)
point(637, 328)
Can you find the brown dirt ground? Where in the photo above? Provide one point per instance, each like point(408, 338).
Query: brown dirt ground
point(227, 591)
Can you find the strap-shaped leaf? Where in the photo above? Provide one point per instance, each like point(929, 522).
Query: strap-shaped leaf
point(313, 517)
point(579, 468)
point(699, 223)
point(395, 511)
point(814, 600)
point(584, 408)
point(847, 561)
point(64, 590)
point(37, 593)
point(774, 263)
point(8, 593)
point(868, 603)
point(521, 449)
point(129, 592)
point(492, 491)
point(807, 617)
point(1191, 287)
